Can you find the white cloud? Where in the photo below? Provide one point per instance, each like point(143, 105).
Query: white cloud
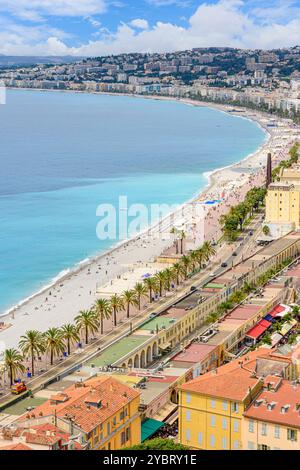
point(35, 9)
point(224, 23)
point(140, 24)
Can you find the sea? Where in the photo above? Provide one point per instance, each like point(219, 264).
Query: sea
point(62, 155)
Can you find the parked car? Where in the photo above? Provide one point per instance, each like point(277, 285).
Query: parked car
point(224, 265)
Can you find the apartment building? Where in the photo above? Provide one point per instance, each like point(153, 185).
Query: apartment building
point(102, 411)
point(272, 422)
point(212, 407)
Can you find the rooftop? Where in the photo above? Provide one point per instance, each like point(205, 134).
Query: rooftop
point(194, 353)
point(280, 405)
point(117, 351)
point(109, 394)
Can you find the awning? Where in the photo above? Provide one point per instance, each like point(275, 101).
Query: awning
point(150, 427)
point(276, 310)
point(287, 327)
point(276, 338)
point(269, 318)
point(258, 330)
point(165, 412)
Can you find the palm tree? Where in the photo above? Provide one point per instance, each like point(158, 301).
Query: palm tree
point(199, 256)
point(151, 284)
point(186, 264)
point(169, 277)
point(32, 344)
point(174, 232)
point(208, 250)
point(161, 281)
point(182, 237)
point(177, 270)
point(103, 311)
point(54, 343)
point(129, 299)
point(88, 322)
point(13, 361)
point(70, 335)
point(116, 303)
point(140, 291)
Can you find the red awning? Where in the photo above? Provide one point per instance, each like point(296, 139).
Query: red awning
point(259, 329)
point(276, 310)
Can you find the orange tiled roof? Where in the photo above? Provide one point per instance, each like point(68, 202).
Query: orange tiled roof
point(18, 446)
point(232, 381)
point(112, 394)
point(286, 395)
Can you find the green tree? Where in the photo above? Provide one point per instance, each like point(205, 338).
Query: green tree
point(266, 230)
point(32, 344)
point(130, 300)
point(103, 311)
point(88, 322)
point(13, 361)
point(161, 280)
point(70, 335)
point(54, 343)
point(158, 444)
point(117, 304)
point(152, 287)
point(141, 291)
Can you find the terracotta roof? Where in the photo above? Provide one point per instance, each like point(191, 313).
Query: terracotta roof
point(18, 446)
point(194, 353)
point(109, 393)
point(232, 381)
point(284, 405)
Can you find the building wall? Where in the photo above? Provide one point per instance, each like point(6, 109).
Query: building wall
point(283, 205)
point(275, 438)
point(210, 423)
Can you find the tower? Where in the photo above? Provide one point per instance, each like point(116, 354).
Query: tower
point(269, 170)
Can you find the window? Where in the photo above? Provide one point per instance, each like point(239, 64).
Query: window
point(250, 445)
point(224, 423)
point(213, 403)
point(188, 415)
point(108, 428)
point(123, 438)
point(114, 421)
point(264, 429)
point(236, 445)
point(277, 432)
point(225, 405)
point(127, 434)
point(212, 440)
point(251, 425)
point(291, 435)
point(200, 438)
point(235, 407)
point(224, 443)
point(188, 398)
point(213, 420)
point(236, 426)
point(188, 435)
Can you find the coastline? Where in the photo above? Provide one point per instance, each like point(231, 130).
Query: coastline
point(213, 178)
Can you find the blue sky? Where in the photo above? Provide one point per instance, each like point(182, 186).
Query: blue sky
point(95, 27)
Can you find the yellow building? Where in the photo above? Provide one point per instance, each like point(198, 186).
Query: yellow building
point(102, 411)
point(272, 422)
point(212, 407)
point(283, 200)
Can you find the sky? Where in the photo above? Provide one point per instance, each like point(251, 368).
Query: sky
point(103, 27)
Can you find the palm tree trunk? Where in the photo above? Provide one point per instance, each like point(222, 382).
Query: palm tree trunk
point(182, 246)
point(11, 375)
point(150, 293)
point(115, 317)
point(32, 363)
point(52, 357)
point(101, 325)
point(86, 335)
point(69, 347)
point(128, 310)
point(139, 302)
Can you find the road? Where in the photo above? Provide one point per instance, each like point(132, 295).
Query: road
point(126, 327)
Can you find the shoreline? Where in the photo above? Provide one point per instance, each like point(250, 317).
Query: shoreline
point(211, 177)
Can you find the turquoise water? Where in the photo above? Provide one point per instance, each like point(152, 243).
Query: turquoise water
point(63, 154)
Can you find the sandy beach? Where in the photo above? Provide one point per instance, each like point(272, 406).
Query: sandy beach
point(78, 290)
